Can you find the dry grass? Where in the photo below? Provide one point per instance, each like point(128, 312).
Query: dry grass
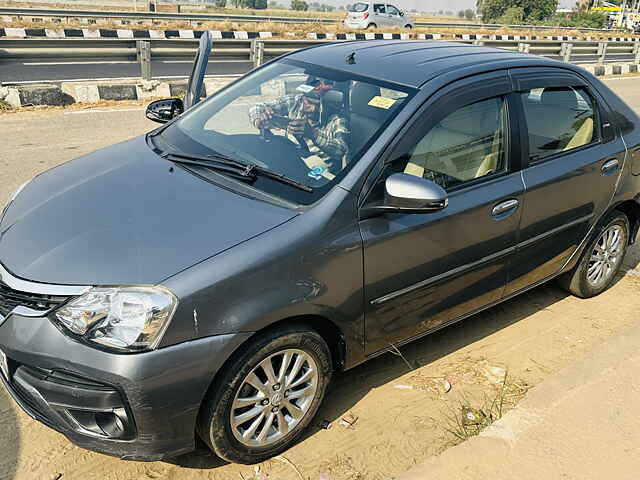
point(470, 417)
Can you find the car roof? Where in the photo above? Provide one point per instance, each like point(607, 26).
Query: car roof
point(413, 62)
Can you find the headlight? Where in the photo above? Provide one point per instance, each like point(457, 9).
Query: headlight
point(125, 318)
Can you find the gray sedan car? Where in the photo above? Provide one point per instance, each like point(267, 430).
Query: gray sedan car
point(208, 278)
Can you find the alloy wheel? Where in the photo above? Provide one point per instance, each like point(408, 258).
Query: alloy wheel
point(274, 398)
point(606, 256)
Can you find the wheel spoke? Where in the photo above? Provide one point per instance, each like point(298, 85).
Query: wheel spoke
point(248, 433)
point(286, 360)
point(267, 426)
point(305, 392)
point(300, 359)
point(295, 411)
point(245, 402)
point(256, 383)
point(283, 426)
point(303, 378)
point(267, 368)
point(248, 415)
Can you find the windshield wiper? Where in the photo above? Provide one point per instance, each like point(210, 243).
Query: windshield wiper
point(243, 171)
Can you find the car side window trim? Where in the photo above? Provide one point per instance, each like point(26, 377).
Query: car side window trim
point(457, 94)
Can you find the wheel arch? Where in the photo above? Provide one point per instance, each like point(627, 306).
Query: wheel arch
point(631, 209)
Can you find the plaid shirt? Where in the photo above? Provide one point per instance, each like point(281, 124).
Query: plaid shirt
point(331, 138)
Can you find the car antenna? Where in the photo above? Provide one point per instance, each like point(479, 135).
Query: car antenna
point(351, 58)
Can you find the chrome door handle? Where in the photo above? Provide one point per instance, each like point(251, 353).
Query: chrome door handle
point(505, 206)
point(610, 165)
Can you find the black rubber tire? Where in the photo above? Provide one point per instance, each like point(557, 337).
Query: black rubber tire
point(575, 281)
point(409, 27)
point(214, 425)
point(371, 25)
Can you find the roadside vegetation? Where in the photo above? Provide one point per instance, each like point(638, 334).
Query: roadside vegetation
point(537, 12)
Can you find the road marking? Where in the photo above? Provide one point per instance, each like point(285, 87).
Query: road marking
point(76, 63)
point(79, 112)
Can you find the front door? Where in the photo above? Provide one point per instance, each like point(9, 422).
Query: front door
point(424, 270)
point(574, 160)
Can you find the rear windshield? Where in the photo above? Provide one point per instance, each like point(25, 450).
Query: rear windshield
point(359, 7)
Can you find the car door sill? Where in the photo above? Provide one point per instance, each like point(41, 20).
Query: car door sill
point(460, 318)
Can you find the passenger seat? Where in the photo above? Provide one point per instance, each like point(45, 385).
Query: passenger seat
point(365, 119)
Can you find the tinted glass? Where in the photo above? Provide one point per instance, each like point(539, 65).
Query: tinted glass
point(558, 120)
point(379, 8)
point(466, 145)
point(306, 122)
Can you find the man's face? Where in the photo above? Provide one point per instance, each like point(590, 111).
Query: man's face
point(310, 105)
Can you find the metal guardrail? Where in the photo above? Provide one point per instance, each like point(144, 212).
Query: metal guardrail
point(94, 15)
point(258, 51)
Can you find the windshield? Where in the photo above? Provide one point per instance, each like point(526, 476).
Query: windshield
point(306, 123)
point(359, 7)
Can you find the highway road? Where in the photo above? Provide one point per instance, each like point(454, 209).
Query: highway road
point(59, 69)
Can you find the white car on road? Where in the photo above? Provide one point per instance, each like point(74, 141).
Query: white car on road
point(363, 15)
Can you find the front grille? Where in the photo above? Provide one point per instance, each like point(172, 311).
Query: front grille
point(10, 299)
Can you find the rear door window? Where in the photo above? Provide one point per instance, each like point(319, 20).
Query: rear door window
point(391, 10)
point(359, 7)
point(559, 120)
point(379, 8)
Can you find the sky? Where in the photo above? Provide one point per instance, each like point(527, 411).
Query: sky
point(436, 5)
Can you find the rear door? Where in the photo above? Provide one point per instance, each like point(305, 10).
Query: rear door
point(573, 161)
point(425, 270)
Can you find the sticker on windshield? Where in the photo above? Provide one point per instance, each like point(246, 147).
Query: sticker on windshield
point(382, 102)
point(304, 88)
point(317, 172)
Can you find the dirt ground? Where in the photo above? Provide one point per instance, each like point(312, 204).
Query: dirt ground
point(399, 407)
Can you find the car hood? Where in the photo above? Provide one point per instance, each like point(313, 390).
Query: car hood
point(123, 215)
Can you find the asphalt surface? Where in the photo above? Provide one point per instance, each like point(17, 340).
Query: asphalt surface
point(59, 69)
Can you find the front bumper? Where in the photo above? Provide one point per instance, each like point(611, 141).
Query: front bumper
point(137, 407)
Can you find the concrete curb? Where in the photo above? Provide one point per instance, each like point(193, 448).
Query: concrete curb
point(67, 93)
point(612, 69)
point(247, 35)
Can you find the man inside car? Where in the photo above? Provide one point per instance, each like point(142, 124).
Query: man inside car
point(303, 116)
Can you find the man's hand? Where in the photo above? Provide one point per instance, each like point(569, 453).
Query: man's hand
point(297, 127)
point(265, 118)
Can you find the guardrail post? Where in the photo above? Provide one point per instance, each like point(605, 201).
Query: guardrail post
point(143, 49)
point(257, 53)
point(524, 47)
point(565, 52)
point(636, 52)
point(602, 52)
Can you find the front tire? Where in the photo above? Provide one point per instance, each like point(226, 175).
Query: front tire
point(601, 260)
point(267, 396)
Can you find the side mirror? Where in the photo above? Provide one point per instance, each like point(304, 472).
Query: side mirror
point(409, 194)
point(162, 111)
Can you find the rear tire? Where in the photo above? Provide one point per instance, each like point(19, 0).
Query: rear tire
point(251, 414)
point(601, 260)
point(371, 25)
point(408, 27)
